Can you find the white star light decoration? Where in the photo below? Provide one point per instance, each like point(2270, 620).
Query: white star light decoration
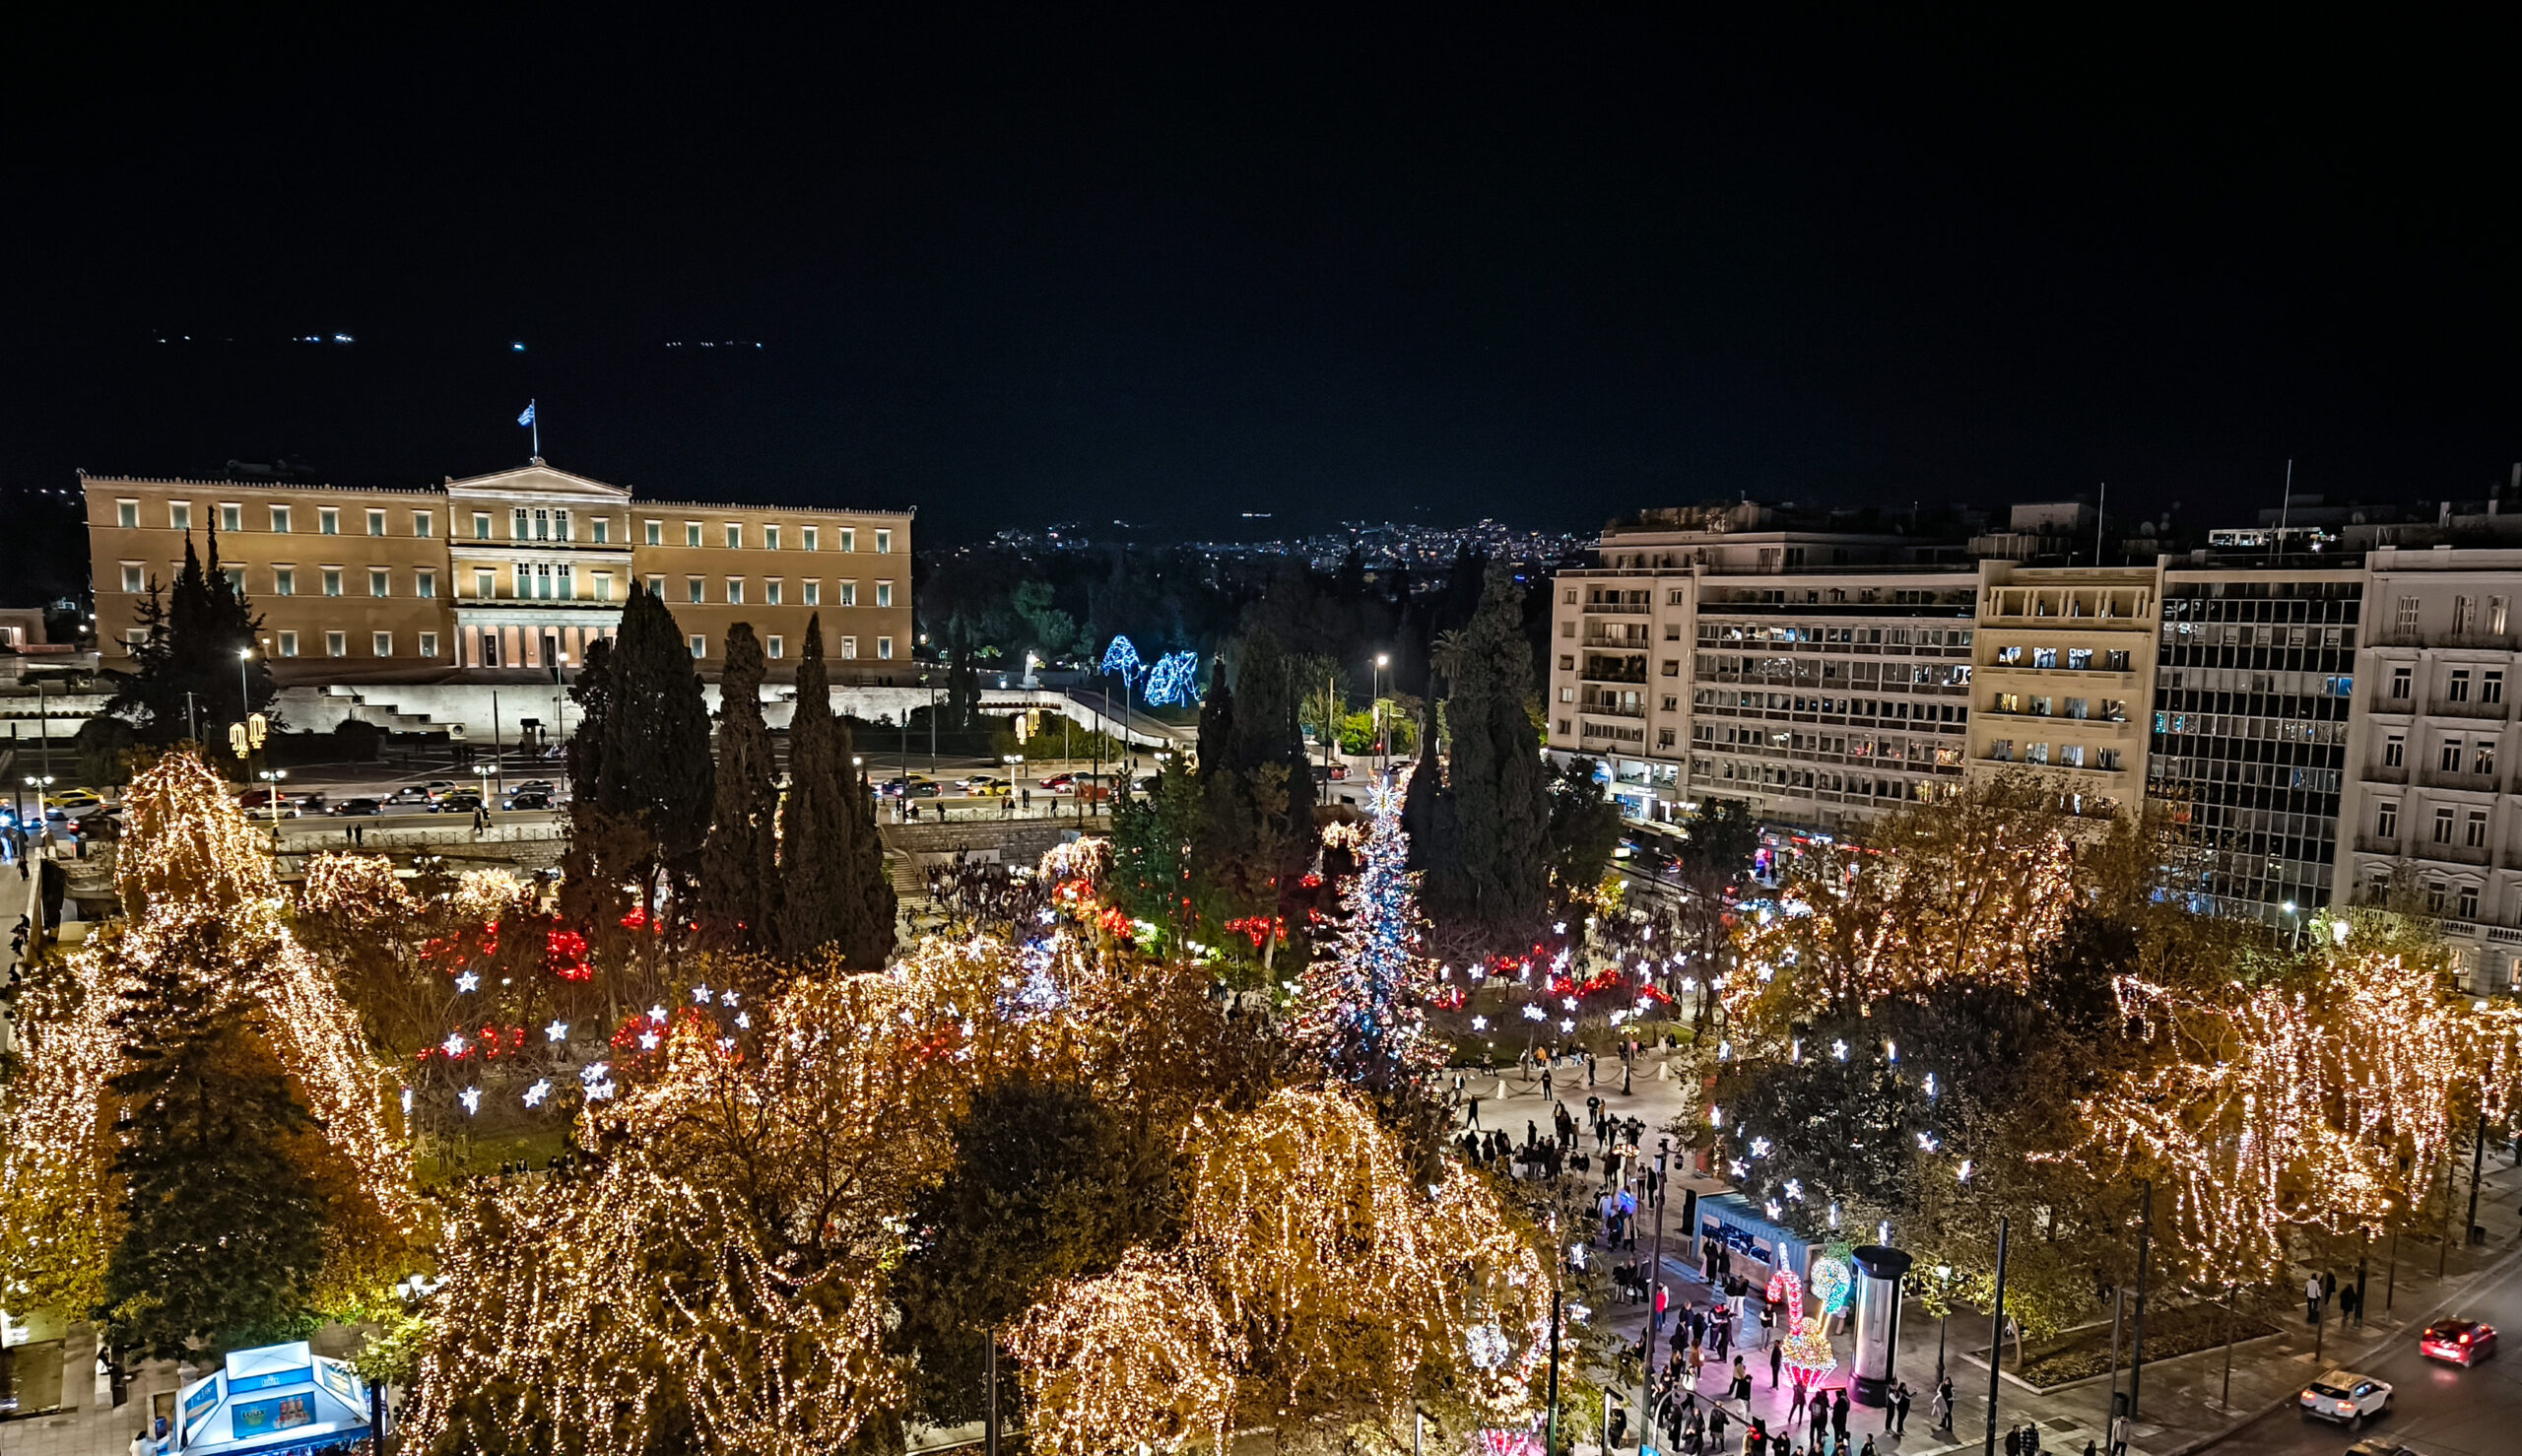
point(649, 1040)
point(700, 995)
point(467, 981)
point(656, 1013)
point(471, 1097)
point(535, 1095)
point(594, 1072)
point(454, 1044)
point(557, 1031)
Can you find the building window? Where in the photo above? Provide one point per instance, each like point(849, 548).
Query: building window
point(490, 655)
point(2459, 689)
point(332, 581)
point(776, 647)
point(236, 578)
point(481, 525)
point(2037, 752)
point(2072, 754)
point(1567, 662)
point(771, 538)
point(658, 587)
point(428, 644)
point(232, 518)
point(2448, 757)
point(421, 524)
point(127, 514)
point(2395, 751)
point(809, 533)
point(2406, 616)
point(425, 583)
point(486, 583)
point(131, 578)
point(376, 582)
point(179, 516)
point(289, 645)
point(2483, 756)
point(848, 538)
point(814, 592)
point(2001, 749)
point(2465, 615)
point(2401, 680)
point(284, 581)
point(692, 533)
point(884, 542)
point(734, 591)
point(2498, 611)
point(691, 589)
point(280, 520)
point(604, 586)
point(770, 592)
point(603, 526)
point(2386, 821)
point(2464, 906)
point(884, 593)
point(559, 525)
point(337, 644)
point(2474, 831)
point(381, 643)
point(1672, 667)
point(518, 528)
point(849, 593)
point(2108, 760)
point(2443, 825)
point(849, 650)
point(2492, 687)
point(884, 649)
point(657, 533)
point(700, 645)
point(1567, 694)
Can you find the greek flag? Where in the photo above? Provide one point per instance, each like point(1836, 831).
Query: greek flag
point(528, 417)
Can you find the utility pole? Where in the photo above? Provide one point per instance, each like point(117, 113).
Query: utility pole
point(1654, 1281)
point(1997, 1336)
point(1551, 1447)
point(2137, 1339)
point(2478, 1167)
point(192, 723)
point(989, 1443)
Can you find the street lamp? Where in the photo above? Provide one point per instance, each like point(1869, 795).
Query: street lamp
point(1375, 685)
point(1944, 1302)
point(2295, 940)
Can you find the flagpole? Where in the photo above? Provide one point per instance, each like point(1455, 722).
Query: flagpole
point(530, 407)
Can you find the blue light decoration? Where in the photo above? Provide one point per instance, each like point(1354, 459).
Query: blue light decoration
point(1174, 680)
point(1121, 657)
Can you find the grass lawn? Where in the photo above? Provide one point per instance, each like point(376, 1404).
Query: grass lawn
point(2082, 1354)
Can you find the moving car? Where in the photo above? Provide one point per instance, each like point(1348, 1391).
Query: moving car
point(528, 799)
point(350, 807)
point(988, 789)
point(2347, 1398)
point(259, 804)
point(462, 801)
point(2463, 1342)
point(414, 793)
point(911, 786)
point(1059, 781)
point(74, 799)
point(2379, 1445)
point(534, 786)
point(977, 781)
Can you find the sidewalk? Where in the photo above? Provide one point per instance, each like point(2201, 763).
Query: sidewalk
point(2185, 1405)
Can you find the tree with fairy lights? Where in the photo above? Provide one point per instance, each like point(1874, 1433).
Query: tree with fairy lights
point(1361, 1007)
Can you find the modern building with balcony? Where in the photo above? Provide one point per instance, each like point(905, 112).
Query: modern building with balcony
point(2064, 667)
point(2431, 793)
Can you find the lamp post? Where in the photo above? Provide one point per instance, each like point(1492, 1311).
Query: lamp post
point(1944, 1302)
point(2295, 924)
point(1654, 1281)
point(1374, 687)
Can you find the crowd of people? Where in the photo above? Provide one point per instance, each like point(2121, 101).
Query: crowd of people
point(987, 893)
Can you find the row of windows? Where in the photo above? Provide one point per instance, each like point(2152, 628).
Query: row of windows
point(2456, 685)
point(2220, 725)
point(2471, 824)
point(332, 580)
point(382, 644)
point(2074, 659)
point(524, 524)
point(2466, 615)
point(526, 581)
point(2066, 754)
point(1825, 635)
point(2043, 705)
point(775, 647)
point(810, 592)
point(1889, 709)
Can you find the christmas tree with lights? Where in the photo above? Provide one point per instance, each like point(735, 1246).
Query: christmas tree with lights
point(1361, 1007)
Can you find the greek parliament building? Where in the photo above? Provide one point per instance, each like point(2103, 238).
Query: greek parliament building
point(506, 577)
point(2323, 706)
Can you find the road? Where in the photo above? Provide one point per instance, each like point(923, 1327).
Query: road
point(2440, 1410)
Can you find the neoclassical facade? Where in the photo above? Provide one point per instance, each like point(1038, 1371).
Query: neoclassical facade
point(516, 570)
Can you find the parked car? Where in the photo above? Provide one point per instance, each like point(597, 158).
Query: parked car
point(1336, 773)
point(2347, 1398)
point(349, 808)
point(527, 799)
point(2463, 1342)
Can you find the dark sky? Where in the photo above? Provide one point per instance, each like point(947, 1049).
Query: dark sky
point(1537, 267)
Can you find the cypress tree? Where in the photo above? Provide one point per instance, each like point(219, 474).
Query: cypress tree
point(223, 1231)
point(1501, 793)
point(1430, 818)
point(186, 666)
point(654, 768)
point(1216, 720)
point(836, 894)
point(739, 861)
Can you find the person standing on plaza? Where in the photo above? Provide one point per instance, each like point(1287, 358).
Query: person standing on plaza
point(1775, 1352)
point(1901, 1397)
point(1840, 1411)
point(1944, 1405)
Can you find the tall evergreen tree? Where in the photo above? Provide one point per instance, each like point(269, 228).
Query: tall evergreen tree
point(1499, 788)
point(963, 681)
point(186, 666)
point(1257, 831)
point(222, 1232)
point(740, 860)
point(1430, 818)
point(836, 892)
point(653, 768)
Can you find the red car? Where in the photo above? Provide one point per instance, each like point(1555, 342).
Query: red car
point(2463, 1342)
point(1059, 781)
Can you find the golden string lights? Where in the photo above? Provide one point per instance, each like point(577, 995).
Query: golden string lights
point(2325, 1100)
point(191, 873)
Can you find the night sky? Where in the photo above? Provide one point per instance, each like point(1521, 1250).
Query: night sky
point(1153, 268)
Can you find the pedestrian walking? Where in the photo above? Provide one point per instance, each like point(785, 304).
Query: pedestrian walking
point(1472, 1119)
point(2312, 1300)
point(1839, 1414)
point(1794, 1403)
point(1775, 1352)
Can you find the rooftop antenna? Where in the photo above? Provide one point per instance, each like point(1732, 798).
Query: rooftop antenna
point(2099, 508)
point(2282, 505)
